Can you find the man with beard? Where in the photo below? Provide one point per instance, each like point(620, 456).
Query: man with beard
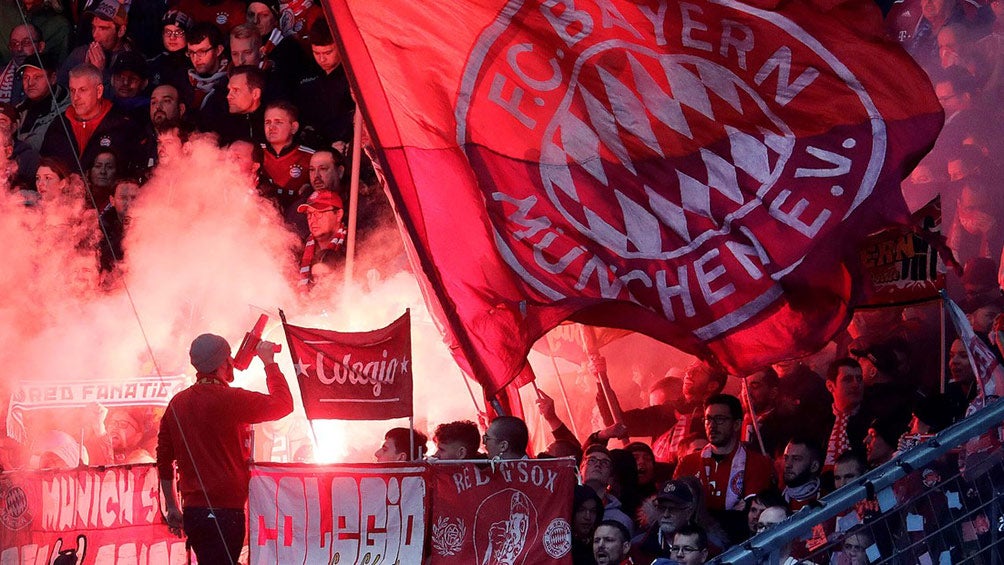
point(108, 40)
point(611, 543)
point(206, 90)
point(676, 507)
point(126, 431)
point(727, 469)
point(803, 462)
point(325, 248)
point(113, 221)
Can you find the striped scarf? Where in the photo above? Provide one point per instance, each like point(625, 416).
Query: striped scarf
point(337, 243)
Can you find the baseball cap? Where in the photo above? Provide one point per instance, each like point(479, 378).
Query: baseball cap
point(110, 10)
point(321, 201)
point(677, 493)
point(43, 61)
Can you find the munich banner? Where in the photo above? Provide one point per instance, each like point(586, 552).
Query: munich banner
point(901, 264)
point(354, 376)
point(513, 513)
point(61, 395)
point(701, 172)
point(337, 514)
point(85, 516)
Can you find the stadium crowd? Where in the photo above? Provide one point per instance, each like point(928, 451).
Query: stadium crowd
point(95, 94)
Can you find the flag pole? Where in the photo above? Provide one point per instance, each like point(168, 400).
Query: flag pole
point(941, 309)
point(350, 239)
point(289, 346)
point(756, 426)
point(561, 386)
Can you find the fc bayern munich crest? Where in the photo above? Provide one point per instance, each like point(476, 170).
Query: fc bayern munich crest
point(689, 177)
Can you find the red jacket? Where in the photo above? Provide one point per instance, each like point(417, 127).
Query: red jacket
point(214, 420)
point(717, 479)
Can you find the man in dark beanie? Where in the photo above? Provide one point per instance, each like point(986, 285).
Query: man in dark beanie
point(206, 429)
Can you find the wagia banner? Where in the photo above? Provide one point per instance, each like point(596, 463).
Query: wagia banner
point(85, 516)
point(354, 376)
point(512, 513)
point(702, 172)
point(337, 514)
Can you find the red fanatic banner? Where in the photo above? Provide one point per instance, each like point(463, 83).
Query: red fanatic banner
point(901, 264)
point(701, 172)
point(354, 376)
point(85, 516)
point(507, 513)
point(337, 514)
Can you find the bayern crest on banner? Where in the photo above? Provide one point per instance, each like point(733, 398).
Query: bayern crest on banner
point(699, 172)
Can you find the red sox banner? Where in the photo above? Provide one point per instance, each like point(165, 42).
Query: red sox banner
point(337, 514)
point(511, 513)
point(701, 172)
point(85, 516)
point(354, 376)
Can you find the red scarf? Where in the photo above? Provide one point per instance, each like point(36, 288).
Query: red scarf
point(84, 129)
point(310, 251)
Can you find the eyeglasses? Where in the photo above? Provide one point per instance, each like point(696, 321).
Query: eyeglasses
point(199, 52)
point(173, 32)
point(23, 44)
point(119, 425)
point(717, 420)
point(684, 549)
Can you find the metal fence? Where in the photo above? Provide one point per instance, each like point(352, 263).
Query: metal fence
point(940, 503)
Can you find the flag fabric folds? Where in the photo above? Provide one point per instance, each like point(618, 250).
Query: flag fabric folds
point(699, 172)
point(354, 376)
point(988, 371)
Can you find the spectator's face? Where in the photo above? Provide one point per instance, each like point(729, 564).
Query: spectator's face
point(262, 18)
point(494, 444)
point(597, 467)
point(450, 450)
point(105, 33)
point(646, 467)
point(761, 395)
point(164, 104)
point(879, 451)
point(584, 519)
point(6, 125)
point(173, 37)
point(103, 170)
point(23, 44)
point(982, 319)
point(948, 48)
point(169, 146)
point(770, 517)
point(36, 83)
point(609, 546)
point(958, 363)
point(279, 127)
point(323, 224)
point(933, 9)
point(753, 515)
point(125, 194)
point(388, 453)
point(950, 100)
point(205, 58)
point(239, 95)
point(241, 153)
point(799, 467)
point(327, 57)
point(127, 84)
point(719, 425)
point(243, 52)
point(324, 174)
point(855, 548)
point(848, 388)
point(85, 96)
point(687, 551)
point(695, 384)
point(672, 516)
point(845, 473)
point(122, 432)
point(48, 184)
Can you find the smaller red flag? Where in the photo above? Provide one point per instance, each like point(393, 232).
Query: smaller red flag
point(354, 376)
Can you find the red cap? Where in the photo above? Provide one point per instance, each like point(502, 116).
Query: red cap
point(321, 201)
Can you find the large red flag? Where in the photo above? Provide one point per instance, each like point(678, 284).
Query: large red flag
point(699, 172)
